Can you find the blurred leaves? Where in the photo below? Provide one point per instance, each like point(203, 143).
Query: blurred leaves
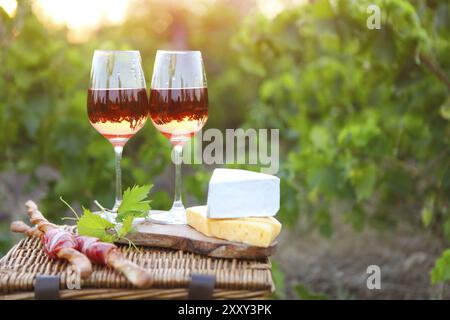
point(43, 81)
point(304, 294)
point(427, 211)
point(279, 281)
point(363, 119)
point(441, 270)
point(445, 109)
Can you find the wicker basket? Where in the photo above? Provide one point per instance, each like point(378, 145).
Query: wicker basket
point(171, 271)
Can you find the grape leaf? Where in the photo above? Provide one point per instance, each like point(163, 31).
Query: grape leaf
point(127, 226)
point(134, 203)
point(91, 224)
point(427, 212)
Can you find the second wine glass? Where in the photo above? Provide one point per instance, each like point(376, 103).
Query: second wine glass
point(178, 109)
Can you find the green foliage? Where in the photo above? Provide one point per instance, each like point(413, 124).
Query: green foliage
point(91, 224)
point(279, 281)
point(362, 113)
point(304, 294)
point(427, 211)
point(44, 79)
point(134, 203)
point(441, 270)
point(127, 226)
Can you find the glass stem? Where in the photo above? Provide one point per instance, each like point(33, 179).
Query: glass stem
point(178, 152)
point(118, 157)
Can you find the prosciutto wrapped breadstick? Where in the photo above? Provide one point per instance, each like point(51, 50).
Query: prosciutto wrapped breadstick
point(108, 254)
point(22, 227)
point(58, 243)
point(56, 246)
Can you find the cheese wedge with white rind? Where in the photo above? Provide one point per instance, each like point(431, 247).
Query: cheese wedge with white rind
point(235, 193)
point(259, 231)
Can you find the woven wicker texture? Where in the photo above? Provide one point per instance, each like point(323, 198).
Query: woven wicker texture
point(171, 271)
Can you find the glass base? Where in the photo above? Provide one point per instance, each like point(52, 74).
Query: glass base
point(107, 215)
point(116, 206)
point(111, 217)
point(176, 215)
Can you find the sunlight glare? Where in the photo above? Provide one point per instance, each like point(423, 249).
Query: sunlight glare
point(83, 14)
point(9, 6)
point(271, 8)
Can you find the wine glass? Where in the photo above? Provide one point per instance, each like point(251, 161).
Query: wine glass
point(178, 109)
point(117, 102)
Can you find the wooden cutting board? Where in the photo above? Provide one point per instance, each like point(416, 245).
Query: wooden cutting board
point(186, 238)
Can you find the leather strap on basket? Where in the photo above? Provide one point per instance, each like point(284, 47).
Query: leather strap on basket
point(46, 287)
point(201, 287)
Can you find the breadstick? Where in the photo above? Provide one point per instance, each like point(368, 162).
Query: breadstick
point(58, 243)
point(108, 254)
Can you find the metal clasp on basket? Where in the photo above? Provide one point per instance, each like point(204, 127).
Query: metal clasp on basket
point(201, 287)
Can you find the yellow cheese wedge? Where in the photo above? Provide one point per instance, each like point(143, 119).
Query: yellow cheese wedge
point(260, 231)
point(196, 218)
